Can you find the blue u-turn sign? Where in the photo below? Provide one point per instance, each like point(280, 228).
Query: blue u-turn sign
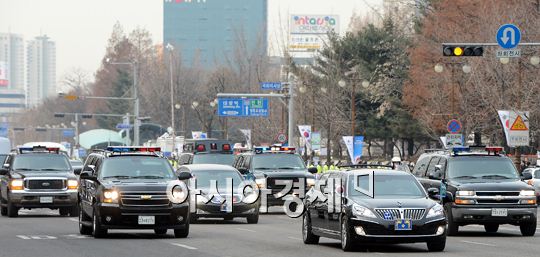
point(508, 36)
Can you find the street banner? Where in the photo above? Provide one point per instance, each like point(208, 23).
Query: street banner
point(516, 127)
point(358, 147)
point(315, 141)
point(305, 132)
point(247, 137)
point(348, 140)
point(198, 135)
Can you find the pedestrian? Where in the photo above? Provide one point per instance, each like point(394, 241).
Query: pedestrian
point(325, 167)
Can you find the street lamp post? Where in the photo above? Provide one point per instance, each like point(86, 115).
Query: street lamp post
point(136, 123)
point(171, 48)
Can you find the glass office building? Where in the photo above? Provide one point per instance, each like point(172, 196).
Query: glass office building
point(206, 31)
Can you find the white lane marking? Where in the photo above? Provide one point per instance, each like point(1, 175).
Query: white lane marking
point(23, 237)
point(294, 238)
point(248, 230)
point(74, 219)
point(185, 246)
point(477, 243)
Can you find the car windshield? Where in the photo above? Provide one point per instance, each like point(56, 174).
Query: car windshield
point(224, 159)
point(203, 178)
point(386, 186)
point(76, 163)
point(475, 167)
point(278, 161)
point(136, 167)
point(41, 162)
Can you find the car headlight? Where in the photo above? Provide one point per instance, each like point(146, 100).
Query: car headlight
point(310, 182)
point(72, 184)
point(261, 182)
point(110, 196)
point(361, 211)
point(179, 194)
point(435, 211)
point(465, 193)
point(526, 193)
point(17, 184)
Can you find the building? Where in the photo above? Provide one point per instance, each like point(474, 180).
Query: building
point(208, 31)
point(41, 74)
point(12, 96)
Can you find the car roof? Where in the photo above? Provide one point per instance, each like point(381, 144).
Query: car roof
point(205, 167)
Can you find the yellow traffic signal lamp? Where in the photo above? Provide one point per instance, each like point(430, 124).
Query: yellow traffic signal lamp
point(463, 50)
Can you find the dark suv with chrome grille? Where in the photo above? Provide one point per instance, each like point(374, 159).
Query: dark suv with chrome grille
point(37, 177)
point(132, 188)
point(479, 186)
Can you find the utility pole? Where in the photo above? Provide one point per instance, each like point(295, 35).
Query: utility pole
point(136, 106)
point(292, 142)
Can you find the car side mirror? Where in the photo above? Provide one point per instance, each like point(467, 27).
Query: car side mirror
point(77, 171)
point(312, 170)
point(4, 171)
point(433, 193)
point(243, 171)
point(87, 175)
point(184, 175)
point(526, 176)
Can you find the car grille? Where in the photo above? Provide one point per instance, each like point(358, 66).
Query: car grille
point(394, 214)
point(271, 183)
point(45, 184)
point(489, 193)
point(150, 199)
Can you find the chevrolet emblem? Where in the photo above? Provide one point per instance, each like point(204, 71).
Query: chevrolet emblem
point(146, 197)
point(499, 198)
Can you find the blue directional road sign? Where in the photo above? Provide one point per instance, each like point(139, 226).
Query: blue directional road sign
point(270, 85)
point(239, 107)
point(123, 126)
point(508, 36)
point(68, 132)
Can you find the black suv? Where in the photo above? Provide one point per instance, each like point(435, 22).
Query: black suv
point(38, 177)
point(272, 167)
point(479, 186)
point(206, 151)
point(132, 188)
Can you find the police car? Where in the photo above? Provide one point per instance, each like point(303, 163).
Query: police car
point(479, 186)
point(130, 188)
point(276, 169)
point(206, 151)
point(38, 177)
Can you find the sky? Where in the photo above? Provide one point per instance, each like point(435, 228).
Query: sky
point(81, 28)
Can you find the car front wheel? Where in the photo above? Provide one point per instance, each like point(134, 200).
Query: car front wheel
point(84, 229)
point(307, 234)
point(453, 227)
point(97, 230)
point(346, 239)
point(437, 245)
point(528, 229)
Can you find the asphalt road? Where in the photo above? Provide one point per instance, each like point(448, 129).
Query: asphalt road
point(43, 233)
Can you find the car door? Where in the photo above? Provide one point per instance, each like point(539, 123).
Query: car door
point(334, 213)
point(420, 170)
point(87, 187)
point(318, 208)
point(4, 180)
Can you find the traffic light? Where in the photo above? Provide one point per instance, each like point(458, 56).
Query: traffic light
point(463, 50)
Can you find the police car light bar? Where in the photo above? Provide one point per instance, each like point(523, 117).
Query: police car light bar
point(494, 149)
point(128, 149)
point(39, 148)
point(460, 149)
point(201, 148)
point(274, 149)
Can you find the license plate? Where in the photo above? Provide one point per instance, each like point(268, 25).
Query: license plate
point(147, 220)
point(403, 225)
point(225, 208)
point(46, 199)
point(499, 212)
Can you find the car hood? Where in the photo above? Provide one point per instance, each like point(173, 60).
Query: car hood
point(43, 174)
point(141, 185)
point(491, 185)
point(283, 174)
point(420, 203)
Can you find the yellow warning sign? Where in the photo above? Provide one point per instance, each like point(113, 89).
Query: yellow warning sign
point(519, 124)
